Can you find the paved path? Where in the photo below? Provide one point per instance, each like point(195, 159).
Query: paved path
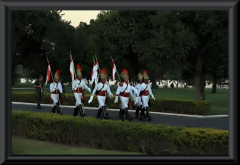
point(216, 121)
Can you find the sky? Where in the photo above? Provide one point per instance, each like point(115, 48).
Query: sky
point(76, 16)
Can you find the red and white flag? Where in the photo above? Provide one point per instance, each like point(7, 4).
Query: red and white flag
point(94, 72)
point(48, 73)
point(114, 69)
point(72, 70)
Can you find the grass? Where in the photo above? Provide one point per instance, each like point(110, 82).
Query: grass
point(219, 100)
point(25, 146)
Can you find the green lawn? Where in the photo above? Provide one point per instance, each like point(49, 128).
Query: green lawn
point(25, 146)
point(219, 100)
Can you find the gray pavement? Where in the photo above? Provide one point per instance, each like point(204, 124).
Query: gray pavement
point(216, 122)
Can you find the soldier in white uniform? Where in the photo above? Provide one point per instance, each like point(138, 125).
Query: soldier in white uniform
point(101, 89)
point(124, 89)
point(56, 89)
point(144, 91)
point(139, 105)
point(78, 85)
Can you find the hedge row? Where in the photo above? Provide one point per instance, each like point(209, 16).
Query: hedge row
point(117, 135)
point(193, 107)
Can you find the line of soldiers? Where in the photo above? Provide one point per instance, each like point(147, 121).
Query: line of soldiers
point(140, 94)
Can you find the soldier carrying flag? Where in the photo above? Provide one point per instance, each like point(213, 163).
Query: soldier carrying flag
point(139, 105)
point(124, 89)
point(78, 85)
point(101, 89)
point(144, 91)
point(56, 89)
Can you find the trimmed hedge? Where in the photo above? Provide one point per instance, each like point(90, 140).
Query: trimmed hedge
point(193, 107)
point(117, 135)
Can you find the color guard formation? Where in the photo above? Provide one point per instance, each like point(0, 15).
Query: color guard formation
point(125, 93)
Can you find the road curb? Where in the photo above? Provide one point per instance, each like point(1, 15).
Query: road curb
point(158, 113)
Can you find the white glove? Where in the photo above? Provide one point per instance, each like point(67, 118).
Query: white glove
point(75, 88)
point(153, 97)
point(54, 87)
point(111, 95)
point(89, 89)
point(116, 99)
point(136, 101)
point(90, 100)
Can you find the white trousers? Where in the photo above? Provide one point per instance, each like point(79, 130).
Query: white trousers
point(101, 100)
point(78, 97)
point(145, 100)
point(139, 101)
point(55, 98)
point(124, 102)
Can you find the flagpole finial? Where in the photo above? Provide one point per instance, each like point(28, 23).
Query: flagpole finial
point(70, 56)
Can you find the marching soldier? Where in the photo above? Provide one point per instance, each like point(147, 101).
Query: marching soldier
point(78, 85)
point(101, 89)
point(56, 89)
point(124, 89)
point(39, 85)
point(144, 91)
point(139, 105)
point(63, 88)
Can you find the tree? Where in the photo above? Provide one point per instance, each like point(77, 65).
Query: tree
point(29, 30)
point(208, 26)
point(216, 61)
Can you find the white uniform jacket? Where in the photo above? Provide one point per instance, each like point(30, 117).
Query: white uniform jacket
point(102, 90)
point(146, 91)
point(124, 91)
point(139, 98)
point(79, 85)
point(55, 89)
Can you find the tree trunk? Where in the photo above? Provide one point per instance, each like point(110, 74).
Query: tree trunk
point(214, 86)
point(198, 78)
point(153, 79)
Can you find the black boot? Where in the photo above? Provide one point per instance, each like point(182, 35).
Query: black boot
point(147, 114)
point(58, 108)
point(99, 113)
point(137, 112)
point(80, 110)
point(106, 105)
point(38, 105)
point(54, 109)
point(104, 112)
point(121, 114)
point(75, 111)
point(127, 114)
point(142, 114)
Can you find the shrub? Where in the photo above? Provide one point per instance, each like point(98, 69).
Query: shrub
point(117, 135)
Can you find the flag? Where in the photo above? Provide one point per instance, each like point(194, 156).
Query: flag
point(94, 72)
point(114, 69)
point(72, 70)
point(48, 73)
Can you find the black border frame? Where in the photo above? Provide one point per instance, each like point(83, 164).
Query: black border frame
point(5, 71)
